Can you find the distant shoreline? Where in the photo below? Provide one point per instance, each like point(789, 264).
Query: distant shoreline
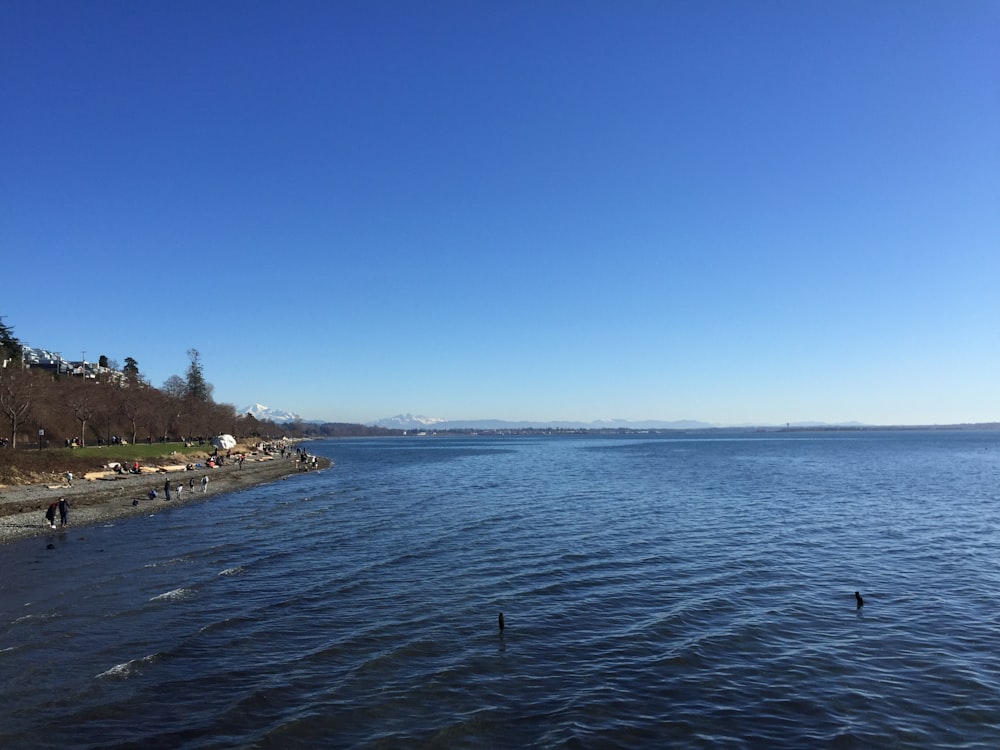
point(769, 429)
point(22, 507)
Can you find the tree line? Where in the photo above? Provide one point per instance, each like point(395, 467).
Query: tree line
point(40, 407)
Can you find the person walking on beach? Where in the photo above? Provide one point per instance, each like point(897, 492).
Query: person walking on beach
point(50, 515)
point(191, 484)
point(204, 483)
point(166, 490)
point(63, 511)
point(180, 489)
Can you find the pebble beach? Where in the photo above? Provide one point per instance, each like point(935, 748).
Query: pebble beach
point(113, 496)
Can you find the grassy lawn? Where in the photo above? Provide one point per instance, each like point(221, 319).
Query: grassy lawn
point(137, 452)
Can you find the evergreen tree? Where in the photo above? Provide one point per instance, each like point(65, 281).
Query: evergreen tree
point(10, 347)
point(197, 388)
point(131, 368)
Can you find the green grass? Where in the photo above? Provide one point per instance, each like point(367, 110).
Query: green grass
point(139, 451)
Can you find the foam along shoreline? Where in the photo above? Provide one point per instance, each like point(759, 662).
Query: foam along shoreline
point(111, 497)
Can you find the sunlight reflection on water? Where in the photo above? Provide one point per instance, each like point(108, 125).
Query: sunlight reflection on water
point(698, 592)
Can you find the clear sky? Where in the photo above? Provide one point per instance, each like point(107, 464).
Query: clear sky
point(735, 212)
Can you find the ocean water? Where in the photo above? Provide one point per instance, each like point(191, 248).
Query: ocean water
point(681, 591)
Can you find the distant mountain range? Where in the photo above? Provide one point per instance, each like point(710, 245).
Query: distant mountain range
point(419, 422)
point(267, 414)
point(409, 422)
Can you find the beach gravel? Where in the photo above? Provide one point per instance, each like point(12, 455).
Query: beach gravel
point(22, 507)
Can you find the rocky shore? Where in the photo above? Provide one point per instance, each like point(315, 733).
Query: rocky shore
point(113, 496)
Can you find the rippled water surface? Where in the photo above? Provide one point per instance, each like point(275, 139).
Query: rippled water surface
point(683, 591)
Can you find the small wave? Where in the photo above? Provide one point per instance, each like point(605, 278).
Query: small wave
point(127, 669)
point(228, 623)
point(235, 571)
point(28, 618)
point(178, 593)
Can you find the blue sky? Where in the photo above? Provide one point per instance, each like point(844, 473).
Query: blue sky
point(724, 211)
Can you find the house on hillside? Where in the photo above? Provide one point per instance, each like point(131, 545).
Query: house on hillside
point(53, 362)
point(45, 360)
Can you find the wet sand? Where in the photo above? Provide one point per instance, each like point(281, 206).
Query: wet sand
point(22, 507)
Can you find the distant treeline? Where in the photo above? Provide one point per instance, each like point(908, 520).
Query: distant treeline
point(530, 431)
point(42, 406)
point(343, 429)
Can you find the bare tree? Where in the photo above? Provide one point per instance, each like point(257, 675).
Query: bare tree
point(133, 405)
point(81, 398)
point(164, 413)
point(221, 419)
point(250, 426)
point(16, 391)
point(174, 386)
point(175, 421)
point(107, 407)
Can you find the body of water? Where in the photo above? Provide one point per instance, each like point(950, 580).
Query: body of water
point(681, 591)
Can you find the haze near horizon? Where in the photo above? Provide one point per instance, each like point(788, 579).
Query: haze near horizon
point(724, 212)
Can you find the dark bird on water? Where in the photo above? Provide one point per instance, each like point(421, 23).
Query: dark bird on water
point(501, 622)
point(861, 602)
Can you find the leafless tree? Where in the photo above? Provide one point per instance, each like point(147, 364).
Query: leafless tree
point(81, 398)
point(132, 405)
point(174, 387)
point(16, 392)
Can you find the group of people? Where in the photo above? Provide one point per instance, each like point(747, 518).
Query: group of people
point(268, 448)
point(78, 443)
point(178, 488)
point(62, 508)
point(218, 460)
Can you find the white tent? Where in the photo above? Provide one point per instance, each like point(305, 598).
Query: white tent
point(224, 442)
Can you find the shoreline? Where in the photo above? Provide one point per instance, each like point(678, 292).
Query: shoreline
point(93, 501)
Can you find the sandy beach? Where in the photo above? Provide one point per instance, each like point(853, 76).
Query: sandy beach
point(108, 496)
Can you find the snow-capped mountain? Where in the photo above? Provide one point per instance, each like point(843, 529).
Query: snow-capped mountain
point(418, 422)
point(267, 414)
point(407, 422)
